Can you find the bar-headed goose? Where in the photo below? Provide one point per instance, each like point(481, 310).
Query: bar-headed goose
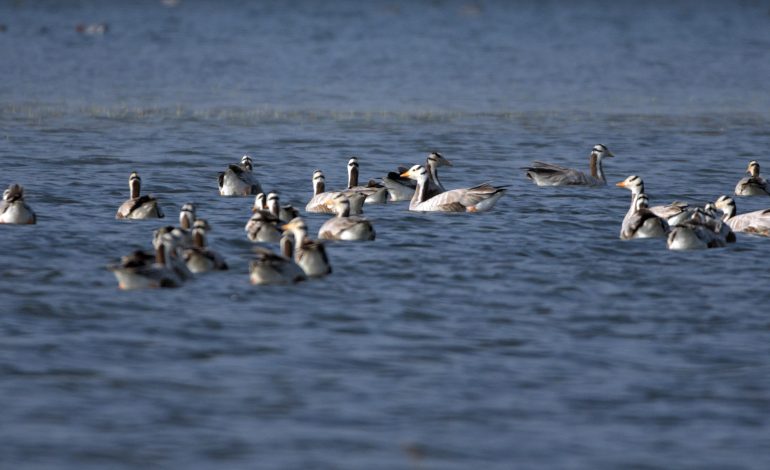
point(200, 258)
point(344, 226)
point(273, 268)
point(285, 212)
point(136, 206)
point(547, 174)
point(635, 184)
point(263, 227)
point(402, 189)
point(319, 202)
point(757, 222)
point(238, 180)
point(141, 270)
point(642, 222)
point(752, 185)
point(375, 193)
point(700, 229)
point(13, 208)
point(476, 199)
point(310, 255)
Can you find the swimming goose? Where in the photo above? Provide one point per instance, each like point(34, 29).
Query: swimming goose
point(13, 209)
point(547, 174)
point(402, 189)
point(700, 230)
point(344, 226)
point(757, 222)
point(635, 184)
point(136, 206)
point(752, 185)
point(238, 180)
point(200, 258)
point(642, 222)
point(273, 268)
point(263, 227)
point(375, 193)
point(310, 255)
point(141, 270)
point(476, 199)
point(318, 203)
point(175, 241)
point(285, 212)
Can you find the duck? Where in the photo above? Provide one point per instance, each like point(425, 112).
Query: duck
point(319, 202)
point(754, 184)
point(273, 268)
point(548, 174)
point(756, 222)
point(344, 226)
point(263, 227)
point(13, 208)
point(143, 270)
point(402, 189)
point(200, 258)
point(238, 180)
point(700, 230)
point(476, 199)
point(136, 206)
point(309, 254)
point(642, 223)
point(375, 193)
point(283, 213)
point(635, 184)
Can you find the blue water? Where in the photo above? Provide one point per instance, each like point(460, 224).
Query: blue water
point(526, 337)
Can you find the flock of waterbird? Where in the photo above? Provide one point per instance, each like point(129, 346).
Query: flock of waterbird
point(182, 252)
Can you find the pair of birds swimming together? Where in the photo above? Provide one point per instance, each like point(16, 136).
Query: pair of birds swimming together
point(685, 227)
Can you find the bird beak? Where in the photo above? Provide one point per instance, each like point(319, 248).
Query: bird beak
point(609, 154)
point(405, 174)
point(622, 184)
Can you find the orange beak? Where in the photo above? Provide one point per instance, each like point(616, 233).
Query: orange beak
point(405, 174)
point(622, 184)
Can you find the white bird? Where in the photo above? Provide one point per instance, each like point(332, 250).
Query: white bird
point(635, 184)
point(752, 185)
point(402, 189)
point(273, 268)
point(310, 255)
point(375, 193)
point(476, 199)
point(699, 230)
point(318, 203)
point(238, 180)
point(13, 208)
point(200, 258)
point(136, 206)
point(142, 270)
point(757, 222)
point(263, 227)
point(547, 174)
point(344, 226)
point(642, 222)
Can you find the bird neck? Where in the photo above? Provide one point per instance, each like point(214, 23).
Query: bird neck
point(134, 186)
point(352, 177)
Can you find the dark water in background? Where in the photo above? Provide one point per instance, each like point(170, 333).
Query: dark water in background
point(525, 337)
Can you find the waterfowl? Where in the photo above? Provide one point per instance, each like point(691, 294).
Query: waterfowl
point(476, 199)
point(700, 230)
point(635, 184)
point(136, 206)
point(318, 203)
point(13, 208)
point(642, 222)
point(310, 255)
point(402, 189)
point(238, 180)
point(175, 242)
point(200, 258)
point(263, 227)
point(285, 212)
point(547, 174)
point(141, 270)
point(752, 185)
point(757, 222)
point(375, 193)
point(344, 226)
point(273, 268)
